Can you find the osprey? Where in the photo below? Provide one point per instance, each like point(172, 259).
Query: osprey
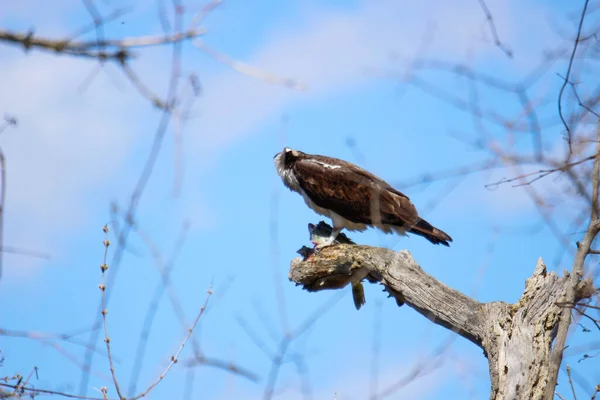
point(353, 198)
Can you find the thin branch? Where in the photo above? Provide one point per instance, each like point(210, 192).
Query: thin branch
point(107, 18)
point(118, 49)
point(583, 314)
point(190, 378)
point(423, 367)
point(576, 274)
point(144, 90)
point(2, 204)
point(566, 79)
point(204, 12)
point(139, 189)
point(34, 391)
point(200, 359)
point(8, 121)
point(542, 173)
point(104, 311)
point(375, 351)
point(248, 69)
point(581, 103)
point(596, 391)
point(274, 250)
point(559, 396)
point(49, 339)
point(490, 19)
point(571, 383)
point(275, 367)
point(596, 178)
point(165, 270)
point(175, 357)
point(25, 252)
point(279, 358)
point(254, 337)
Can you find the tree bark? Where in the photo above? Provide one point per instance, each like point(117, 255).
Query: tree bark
point(516, 338)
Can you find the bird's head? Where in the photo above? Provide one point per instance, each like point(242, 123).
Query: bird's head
point(283, 163)
point(287, 156)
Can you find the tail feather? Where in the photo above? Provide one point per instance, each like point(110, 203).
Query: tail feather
point(431, 233)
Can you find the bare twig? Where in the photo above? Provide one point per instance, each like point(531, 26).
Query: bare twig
point(279, 356)
point(175, 357)
point(165, 270)
point(50, 339)
point(583, 314)
point(205, 12)
point(25, 252)
point(200, 359)
point(559, 396)
point(596, 391)
point(595, 179)
point(247, 69)
point(102, 286)
point(542, 173)
point(274, 250)
point(571, 382)
point(35, 391)
point(375, 351)
point(117, 50)
point(141, 185)
point(566, 79)
point(180, 118)
point(144, 90)
point(576, 274)
point(421, 368)
point(490, 19)
point(95, 23)
point(2, 204)
point(8, 121)
point(581, 103)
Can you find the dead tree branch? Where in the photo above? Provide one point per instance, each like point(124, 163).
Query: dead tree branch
point(516, 338)
point(107, 49)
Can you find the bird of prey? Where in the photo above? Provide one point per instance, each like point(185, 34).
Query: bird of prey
point(353, 198)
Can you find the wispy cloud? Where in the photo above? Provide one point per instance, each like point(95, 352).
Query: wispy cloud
point(330, 52)
point(66, 151)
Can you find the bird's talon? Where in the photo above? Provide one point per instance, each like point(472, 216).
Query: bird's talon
point(320, 247)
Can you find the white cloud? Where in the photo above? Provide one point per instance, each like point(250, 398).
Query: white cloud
point(329, 52)
point(66, 150)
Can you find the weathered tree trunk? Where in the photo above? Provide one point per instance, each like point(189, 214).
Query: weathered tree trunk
point(516, 338)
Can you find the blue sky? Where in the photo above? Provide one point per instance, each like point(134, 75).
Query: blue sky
point(74, 152)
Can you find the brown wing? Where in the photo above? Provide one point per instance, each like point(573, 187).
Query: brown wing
point(358, 170)
point(352, 192)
